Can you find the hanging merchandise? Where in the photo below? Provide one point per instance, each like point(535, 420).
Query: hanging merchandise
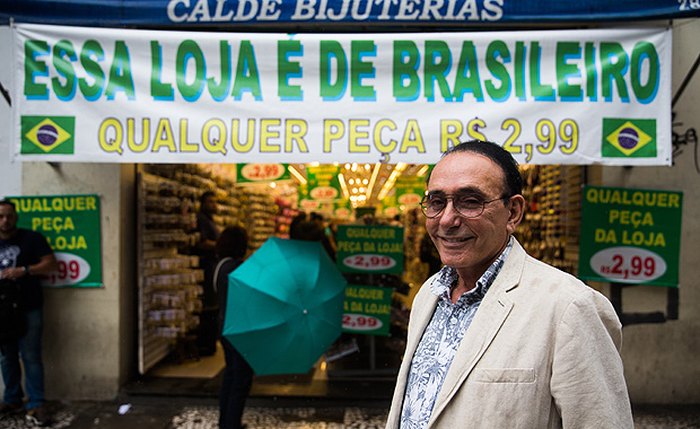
point(260, 216)
point(550, 229)
point(170, 274)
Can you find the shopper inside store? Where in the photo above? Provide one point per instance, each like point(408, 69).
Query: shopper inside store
point(206, 248)
point(497, 338)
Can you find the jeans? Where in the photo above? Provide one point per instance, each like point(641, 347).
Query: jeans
point(29, 348)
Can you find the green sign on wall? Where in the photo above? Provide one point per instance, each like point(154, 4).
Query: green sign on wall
point(410, 190)
point(370, 249)
point(323, 182)
point(261, 172)
point(630, 236)
point(367, 310)
point(71, 225)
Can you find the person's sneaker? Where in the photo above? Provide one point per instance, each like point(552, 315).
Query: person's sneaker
point(10, 409)
point(39, 416)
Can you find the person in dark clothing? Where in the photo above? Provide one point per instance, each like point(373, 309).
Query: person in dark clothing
point(206, 249)
point(25, 255)
point(294, 224)
point(238, 375)
point(309, 230)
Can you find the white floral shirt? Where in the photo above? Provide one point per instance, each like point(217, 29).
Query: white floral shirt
point(440, 341)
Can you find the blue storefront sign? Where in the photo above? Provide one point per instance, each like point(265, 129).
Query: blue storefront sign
point(383, 12)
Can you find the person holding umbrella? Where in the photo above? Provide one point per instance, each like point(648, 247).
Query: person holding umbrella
point(231, 247)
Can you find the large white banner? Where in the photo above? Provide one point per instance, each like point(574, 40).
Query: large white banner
point(138, 96)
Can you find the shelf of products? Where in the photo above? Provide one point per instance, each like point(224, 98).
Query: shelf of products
point(550, 229)
point(169, 275)
point(284, 217)
point(261, 210)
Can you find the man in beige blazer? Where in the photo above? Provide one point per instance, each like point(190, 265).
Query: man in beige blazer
point(498, 339)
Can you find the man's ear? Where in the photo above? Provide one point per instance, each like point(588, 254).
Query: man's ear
point(516, 212)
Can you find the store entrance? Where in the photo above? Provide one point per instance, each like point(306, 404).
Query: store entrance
point(178, 353)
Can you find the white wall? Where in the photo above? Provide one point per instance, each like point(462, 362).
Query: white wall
point(89, 335)
point(10, 183)
point(661, 360)
point(88, 339)
point(10, 180)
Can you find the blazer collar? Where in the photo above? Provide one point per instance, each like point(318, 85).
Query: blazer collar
point(492, 313)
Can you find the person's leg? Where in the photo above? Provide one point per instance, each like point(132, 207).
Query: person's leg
point(225, 421)
point(11, 373)
point(242, 381)
point(30, 350)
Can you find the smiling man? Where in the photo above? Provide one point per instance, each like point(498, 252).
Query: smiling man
point(498, 339)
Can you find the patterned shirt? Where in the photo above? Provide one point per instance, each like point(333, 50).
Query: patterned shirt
point(440, 341)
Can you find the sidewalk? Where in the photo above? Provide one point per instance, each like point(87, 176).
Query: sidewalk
point(275, 413)
point(202, 413)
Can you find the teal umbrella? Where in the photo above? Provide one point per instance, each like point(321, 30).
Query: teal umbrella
point(285, 306)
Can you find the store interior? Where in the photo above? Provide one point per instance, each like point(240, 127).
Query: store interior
point(170, 279)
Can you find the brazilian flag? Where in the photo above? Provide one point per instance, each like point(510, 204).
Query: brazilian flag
point(629, 138)
point(48, 135)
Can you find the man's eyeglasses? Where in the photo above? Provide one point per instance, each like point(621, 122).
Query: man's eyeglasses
point(466, 205)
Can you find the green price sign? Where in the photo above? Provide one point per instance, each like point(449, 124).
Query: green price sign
point(630, 236)
point(261, 172)
point(71, 225)
point(410, 190)
point(370, 249)
point(323, 182)
point(367, 310)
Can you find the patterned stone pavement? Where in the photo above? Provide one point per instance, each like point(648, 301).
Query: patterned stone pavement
point(193, 413)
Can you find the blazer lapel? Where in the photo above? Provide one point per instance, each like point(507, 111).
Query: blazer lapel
point(492, 313)
point(420, 317)
point(420, 321)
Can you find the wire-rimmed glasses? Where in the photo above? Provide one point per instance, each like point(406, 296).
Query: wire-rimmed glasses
point(467, 206)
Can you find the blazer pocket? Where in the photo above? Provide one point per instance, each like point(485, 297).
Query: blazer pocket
point(503, 375)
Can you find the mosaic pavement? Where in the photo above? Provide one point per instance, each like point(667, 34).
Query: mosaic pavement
point(288, 418)
point(206, 417)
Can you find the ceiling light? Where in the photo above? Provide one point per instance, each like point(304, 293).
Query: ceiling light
point(389, 184)
point(302, 180)
point(373, 179)
point(343, 186)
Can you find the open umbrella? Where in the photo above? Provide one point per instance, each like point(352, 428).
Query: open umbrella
point(285, 306)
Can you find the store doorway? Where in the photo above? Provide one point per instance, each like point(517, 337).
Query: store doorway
point(170, 277)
